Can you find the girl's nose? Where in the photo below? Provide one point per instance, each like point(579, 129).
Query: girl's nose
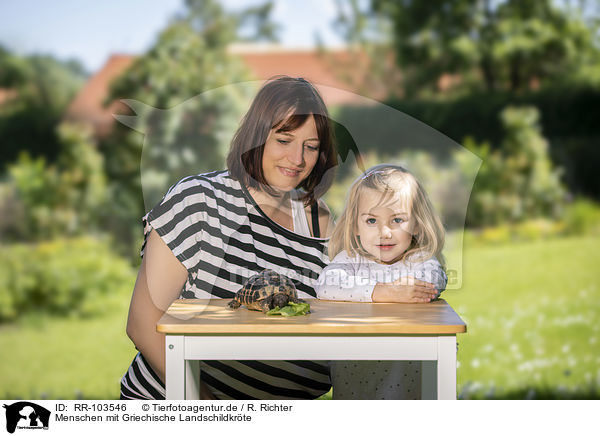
point(386, 232)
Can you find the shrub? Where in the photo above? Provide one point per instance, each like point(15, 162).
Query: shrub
point(582, 217)
point(517, 182)
point(62, 199)
point(75, 277)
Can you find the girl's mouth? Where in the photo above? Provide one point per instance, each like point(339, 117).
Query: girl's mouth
point(386, 247)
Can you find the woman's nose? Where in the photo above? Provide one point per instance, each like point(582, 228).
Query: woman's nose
point(296, 154)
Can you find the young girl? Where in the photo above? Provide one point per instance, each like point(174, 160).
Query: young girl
point(386, 247)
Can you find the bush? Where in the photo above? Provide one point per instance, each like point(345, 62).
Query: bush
point(567, 120)
point(62, 199)
point(517, 182)
point(74, 277)
point(582, 217)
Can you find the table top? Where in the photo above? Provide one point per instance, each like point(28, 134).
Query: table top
point(212, 316)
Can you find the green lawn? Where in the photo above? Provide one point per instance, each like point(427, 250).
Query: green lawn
point(532, 311)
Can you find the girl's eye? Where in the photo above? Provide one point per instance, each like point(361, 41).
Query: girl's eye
point(371, 220)
point(398, 220)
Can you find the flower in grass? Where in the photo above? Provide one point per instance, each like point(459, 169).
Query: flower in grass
point(488, 348)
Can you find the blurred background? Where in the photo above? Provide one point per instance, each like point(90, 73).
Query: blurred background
point(515, 83)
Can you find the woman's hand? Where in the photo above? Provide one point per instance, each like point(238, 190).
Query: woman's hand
point(404, 290)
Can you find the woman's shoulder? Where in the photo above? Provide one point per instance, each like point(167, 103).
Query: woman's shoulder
point(326, 221)
point(210, 178)
point(215, 181)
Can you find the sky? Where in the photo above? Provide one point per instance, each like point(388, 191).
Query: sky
point(91, 30)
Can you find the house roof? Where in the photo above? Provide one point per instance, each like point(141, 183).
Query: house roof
point(339, 74)
point(6, 95)
point(87, 106)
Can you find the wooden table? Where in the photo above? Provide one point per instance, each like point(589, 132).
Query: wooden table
point(208, 330)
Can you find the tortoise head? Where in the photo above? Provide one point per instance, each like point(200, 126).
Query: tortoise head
point(280, 299)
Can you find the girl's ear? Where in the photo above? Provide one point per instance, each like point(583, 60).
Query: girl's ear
point(414, 228)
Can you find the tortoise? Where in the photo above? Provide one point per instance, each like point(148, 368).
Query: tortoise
point(264, 291)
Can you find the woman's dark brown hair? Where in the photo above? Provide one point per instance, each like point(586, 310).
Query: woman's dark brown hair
point(284, 103)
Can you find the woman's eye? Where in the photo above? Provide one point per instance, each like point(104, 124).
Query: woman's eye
point(283, 141)
point(312, 147)
point(371, 220)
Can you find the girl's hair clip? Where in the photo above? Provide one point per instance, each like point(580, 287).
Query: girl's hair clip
point(369, 174)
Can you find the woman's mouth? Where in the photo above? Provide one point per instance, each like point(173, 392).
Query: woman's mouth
point(385, 247)
point(287, 172)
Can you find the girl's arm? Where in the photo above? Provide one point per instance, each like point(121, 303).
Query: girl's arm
point(419, 282)
point(344, 280)
point(340, 281)
point(429, 271)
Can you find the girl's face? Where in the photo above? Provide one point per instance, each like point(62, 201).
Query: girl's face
point(385, 230)
point(289, 157)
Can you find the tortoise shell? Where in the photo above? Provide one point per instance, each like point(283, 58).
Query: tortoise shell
point(264, 291)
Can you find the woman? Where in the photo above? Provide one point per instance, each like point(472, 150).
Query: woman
point(212, 231)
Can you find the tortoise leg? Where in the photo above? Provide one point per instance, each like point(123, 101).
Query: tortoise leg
point(267, 304)
point(234, 304)
point(297, 300)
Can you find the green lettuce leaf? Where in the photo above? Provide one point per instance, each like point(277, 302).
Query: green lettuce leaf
point(291, 309)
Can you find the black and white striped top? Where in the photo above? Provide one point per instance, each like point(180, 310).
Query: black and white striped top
point(214, 227)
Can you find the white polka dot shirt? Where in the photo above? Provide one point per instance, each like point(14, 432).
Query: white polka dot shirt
point(354, 278)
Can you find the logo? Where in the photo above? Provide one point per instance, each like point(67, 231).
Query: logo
point(26, 415)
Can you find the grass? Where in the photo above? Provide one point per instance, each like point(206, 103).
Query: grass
point(49, 358)
point(532, 311)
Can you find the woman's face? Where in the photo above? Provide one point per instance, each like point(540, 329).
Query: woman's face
point(289, 157)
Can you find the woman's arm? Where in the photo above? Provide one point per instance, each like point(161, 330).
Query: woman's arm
point(159, 282)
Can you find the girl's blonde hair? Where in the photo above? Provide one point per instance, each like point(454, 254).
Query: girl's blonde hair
point(395, 184)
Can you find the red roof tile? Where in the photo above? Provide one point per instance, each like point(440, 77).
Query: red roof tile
point(340, 73)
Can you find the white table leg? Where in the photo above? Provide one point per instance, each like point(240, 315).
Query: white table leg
point(428, 379)
point(446, 368)
point(174, 368)
point(192, 379)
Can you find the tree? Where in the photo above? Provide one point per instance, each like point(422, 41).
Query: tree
point(501, 45)
point(43, 87)
point(170, 91)
point(65, 198)
point(517, 181)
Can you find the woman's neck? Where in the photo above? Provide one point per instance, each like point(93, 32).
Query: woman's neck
point(262, 198)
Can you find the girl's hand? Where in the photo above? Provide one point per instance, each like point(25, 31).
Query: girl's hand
point(404, 290)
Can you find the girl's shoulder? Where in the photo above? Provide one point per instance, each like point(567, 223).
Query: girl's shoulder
point(420, 256)
point(344, 257)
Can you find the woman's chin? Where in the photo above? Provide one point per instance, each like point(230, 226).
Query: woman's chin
point(283, 187)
